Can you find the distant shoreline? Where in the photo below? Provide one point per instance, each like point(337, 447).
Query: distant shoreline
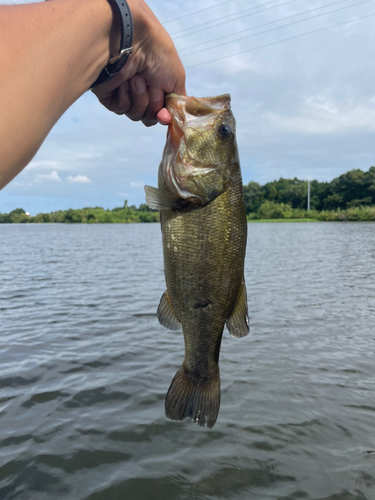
point(250, 221)
point(284, 220)
point(349, 197)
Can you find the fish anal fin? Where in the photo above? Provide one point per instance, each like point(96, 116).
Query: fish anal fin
point(158, 199)
point(238, 323)
point(187, 398)
point(165, 313)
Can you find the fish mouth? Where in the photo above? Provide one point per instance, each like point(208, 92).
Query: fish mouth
point(183, 109)
point(187, 112)
point(191, 112)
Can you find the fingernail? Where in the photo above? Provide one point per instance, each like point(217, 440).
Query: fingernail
point(140, 85)
point(156, 95)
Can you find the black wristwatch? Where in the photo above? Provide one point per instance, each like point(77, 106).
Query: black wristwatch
point(118, 62)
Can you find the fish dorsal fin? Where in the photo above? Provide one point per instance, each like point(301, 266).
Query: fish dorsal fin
point(238, 323)
point(166, 315)
point(158, 199)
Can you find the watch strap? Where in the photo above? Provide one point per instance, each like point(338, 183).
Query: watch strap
point(118, 62)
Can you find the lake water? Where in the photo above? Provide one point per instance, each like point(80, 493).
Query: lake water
point(85, 366)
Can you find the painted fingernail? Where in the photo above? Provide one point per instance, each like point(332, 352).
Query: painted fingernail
point(156, 95)
point(140, 85)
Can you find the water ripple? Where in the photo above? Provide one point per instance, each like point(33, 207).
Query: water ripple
point(84, 368)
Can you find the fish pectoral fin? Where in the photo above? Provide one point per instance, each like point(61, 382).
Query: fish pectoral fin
point(166, 315)
point(158, 199)
point(238, 323)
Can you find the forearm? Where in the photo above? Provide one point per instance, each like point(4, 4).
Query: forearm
point(49, 58)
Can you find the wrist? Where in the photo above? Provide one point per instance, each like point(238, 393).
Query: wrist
point(144, 21)
point(115, 31)
point(120, 43)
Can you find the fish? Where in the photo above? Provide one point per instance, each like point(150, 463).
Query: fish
point(204, 231)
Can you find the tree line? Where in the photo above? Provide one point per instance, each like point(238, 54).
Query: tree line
point(125, 214)
point(353, 189)
point(350, 196)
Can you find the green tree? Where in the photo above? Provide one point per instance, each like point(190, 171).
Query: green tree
point(18, 215)
point(72, 216)
point(4, 219)
point(253, 196)
point(272, 210)
point(143, 207)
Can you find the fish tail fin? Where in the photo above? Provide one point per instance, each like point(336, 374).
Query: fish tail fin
point(199, 401)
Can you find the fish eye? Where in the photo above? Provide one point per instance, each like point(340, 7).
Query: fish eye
point(225, 131)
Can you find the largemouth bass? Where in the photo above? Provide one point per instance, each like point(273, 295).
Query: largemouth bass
point(203, 220)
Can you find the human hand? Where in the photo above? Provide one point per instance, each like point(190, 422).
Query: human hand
point(153, 69)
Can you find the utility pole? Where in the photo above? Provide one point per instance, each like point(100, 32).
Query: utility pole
point(308, 195)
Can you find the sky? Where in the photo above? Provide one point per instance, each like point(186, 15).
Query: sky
point(301, 76)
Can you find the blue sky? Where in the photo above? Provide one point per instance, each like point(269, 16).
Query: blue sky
point(305, 107)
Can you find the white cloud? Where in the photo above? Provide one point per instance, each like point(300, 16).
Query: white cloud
point(83, 179)
point(240, 64)
point(86, 155)
point(321, 103)
point(53, 176)
point(137, 184)
point(319, 116)
point(45, 165)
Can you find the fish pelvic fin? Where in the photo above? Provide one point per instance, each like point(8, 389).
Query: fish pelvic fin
point(166, 315)
point(238, 322)
point(158, 199)
point(189, 398)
